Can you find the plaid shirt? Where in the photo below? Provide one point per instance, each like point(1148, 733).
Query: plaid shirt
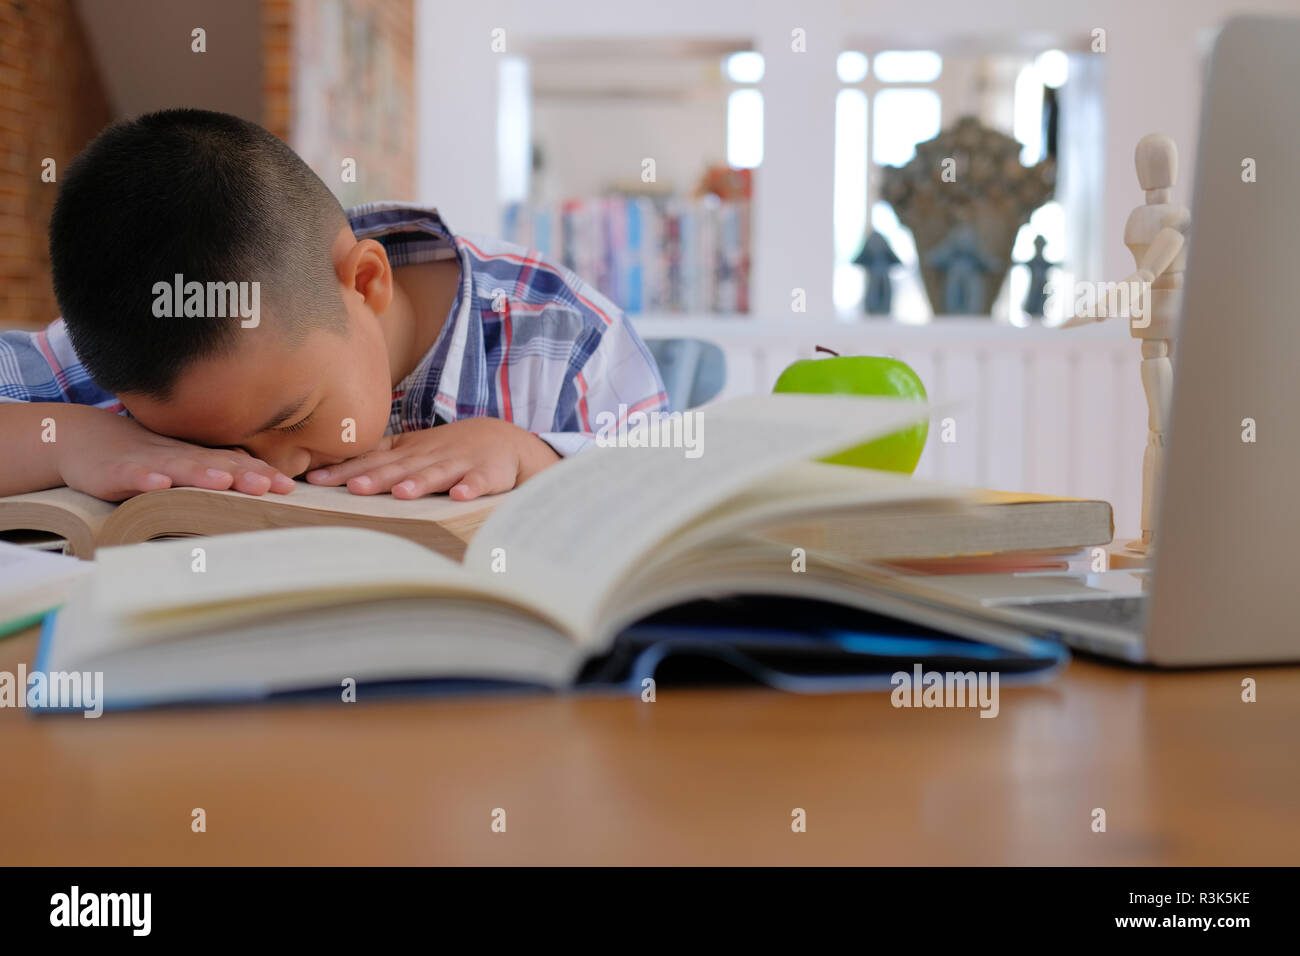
point(526, 341)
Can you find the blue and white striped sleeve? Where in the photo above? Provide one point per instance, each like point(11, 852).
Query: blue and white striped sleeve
point(616, 378)
point(43, 367)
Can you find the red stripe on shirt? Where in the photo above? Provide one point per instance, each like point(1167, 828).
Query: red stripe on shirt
point(530, 264)
point(582, 401)
point(644, 404)
point(506, 330)
point(520, 259)
point(43, 342)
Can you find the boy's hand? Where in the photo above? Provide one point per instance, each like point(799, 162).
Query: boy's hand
point(471, 457)
point(113, 458)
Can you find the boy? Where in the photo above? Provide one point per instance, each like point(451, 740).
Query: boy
point(226, 325)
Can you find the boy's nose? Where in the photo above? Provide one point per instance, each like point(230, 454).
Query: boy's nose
point(289, 460)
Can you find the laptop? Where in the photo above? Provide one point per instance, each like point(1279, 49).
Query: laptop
point(1221, 587)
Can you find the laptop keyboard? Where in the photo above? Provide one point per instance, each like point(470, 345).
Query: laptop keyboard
point(1125, 612)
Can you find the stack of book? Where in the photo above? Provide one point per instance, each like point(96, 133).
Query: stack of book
point(647, 255)
point(595, 545)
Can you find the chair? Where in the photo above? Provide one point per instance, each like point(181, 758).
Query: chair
point(694, 371)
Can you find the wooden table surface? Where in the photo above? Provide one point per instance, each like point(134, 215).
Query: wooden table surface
point(1187, 774)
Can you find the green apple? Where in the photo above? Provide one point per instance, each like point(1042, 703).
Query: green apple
point(864, 375)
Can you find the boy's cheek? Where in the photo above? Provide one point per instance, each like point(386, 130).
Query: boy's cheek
point(361, 432)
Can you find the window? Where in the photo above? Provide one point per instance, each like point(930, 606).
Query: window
point(745, 128)
point(744, 109)
point(903, 119)
point(908, 66)
point(891, 100)
point(1048, 70)
point(884, 110)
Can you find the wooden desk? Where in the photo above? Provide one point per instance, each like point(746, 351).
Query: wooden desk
point(1187, 773)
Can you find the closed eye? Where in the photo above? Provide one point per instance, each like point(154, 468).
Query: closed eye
point(298, 425)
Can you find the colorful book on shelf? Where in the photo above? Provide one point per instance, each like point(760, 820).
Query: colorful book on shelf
point(648, 255)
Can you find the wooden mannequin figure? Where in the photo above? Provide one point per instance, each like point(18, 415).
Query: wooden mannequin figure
point(1156, 235)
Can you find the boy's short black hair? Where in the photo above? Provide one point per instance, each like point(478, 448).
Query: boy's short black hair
point(209, 196)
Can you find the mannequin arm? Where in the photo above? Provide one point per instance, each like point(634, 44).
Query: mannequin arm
point(1159, 256)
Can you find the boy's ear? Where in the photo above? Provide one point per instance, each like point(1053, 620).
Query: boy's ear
point(364, 268)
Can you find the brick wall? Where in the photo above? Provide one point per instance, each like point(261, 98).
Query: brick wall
point(277, 46)
point(338, 82)
point(51, 105)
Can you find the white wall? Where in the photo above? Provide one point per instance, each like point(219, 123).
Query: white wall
point(1153, 69)
point(456, 75)
point(678, 135)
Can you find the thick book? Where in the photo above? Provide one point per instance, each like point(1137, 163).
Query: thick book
point(997, 522)
point(86, 523)
point(561, 567)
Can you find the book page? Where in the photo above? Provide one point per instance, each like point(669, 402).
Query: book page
point(72, 515)
point(572, 532)
point(32, 581)
point(160, 592)
point(338, 499)
point(807, 492)
point(268, 568)
point(435, 521)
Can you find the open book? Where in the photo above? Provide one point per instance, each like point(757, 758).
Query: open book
point(86, 523)
point(31, 583)
point(998, 521)
point(563, 564)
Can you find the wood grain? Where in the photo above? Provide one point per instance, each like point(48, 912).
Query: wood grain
point(1187, 773)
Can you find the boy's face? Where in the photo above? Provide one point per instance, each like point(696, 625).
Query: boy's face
point(297, 408)
point(300, 408)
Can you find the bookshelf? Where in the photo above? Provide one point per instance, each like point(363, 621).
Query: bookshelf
point(675, 254)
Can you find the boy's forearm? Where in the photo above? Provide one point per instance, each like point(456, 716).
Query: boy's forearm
point(33, 436)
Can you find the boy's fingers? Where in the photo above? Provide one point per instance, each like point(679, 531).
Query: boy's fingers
point(195, 473)
point(416, 486)
point(474, 483)
point(245, 465)
point(378, 480)
point(252, 482)
point(134, 478)
point(340, 473)
point(433, 478)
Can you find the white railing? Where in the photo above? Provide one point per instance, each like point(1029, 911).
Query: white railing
point(1037, 409)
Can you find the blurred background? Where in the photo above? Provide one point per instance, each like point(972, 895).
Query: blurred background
point(729, 171)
